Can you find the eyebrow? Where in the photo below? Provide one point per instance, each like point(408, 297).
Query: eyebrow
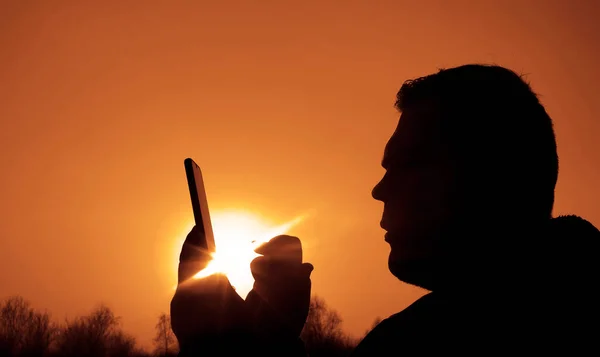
point(402, 153)
point(385, 160)
point(390, 146)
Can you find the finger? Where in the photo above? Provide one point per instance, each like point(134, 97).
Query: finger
point(193, 257)
point(284, 288)
point(265, 268)
point(306, 269)
point(282, 248)
point(260, 267)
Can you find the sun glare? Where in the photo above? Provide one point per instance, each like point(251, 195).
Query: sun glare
point(237, 234)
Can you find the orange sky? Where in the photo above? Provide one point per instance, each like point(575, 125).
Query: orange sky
point(286, 105)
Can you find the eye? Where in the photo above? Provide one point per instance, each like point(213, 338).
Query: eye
point(414, 163)
point(409, 162)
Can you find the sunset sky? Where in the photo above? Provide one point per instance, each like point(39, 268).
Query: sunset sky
point(286, 106)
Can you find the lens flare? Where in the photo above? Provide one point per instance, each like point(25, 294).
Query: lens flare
point(237, 235)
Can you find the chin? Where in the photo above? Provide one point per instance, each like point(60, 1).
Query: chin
point(413, 273)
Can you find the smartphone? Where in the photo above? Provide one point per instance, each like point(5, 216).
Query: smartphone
point(199, 203)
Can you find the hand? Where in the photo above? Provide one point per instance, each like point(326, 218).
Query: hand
point(278, 304)
point(207, 310)
point(207, 315)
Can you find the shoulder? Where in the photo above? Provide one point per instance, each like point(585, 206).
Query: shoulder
point(403, 330)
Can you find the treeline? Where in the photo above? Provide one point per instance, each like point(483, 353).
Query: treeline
point(25, 331)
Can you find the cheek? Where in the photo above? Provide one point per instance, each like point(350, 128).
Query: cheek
point(429, 196)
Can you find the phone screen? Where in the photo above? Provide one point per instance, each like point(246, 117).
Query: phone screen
point(199, 203)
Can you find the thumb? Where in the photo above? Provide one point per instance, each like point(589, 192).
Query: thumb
point(193, 257)
point(306, 269)
point(282, 248)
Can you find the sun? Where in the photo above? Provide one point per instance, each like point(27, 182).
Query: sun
point(237, 234)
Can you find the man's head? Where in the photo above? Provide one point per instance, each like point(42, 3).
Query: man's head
point(473, 144)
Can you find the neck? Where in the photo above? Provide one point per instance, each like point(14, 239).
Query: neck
point(492, 255)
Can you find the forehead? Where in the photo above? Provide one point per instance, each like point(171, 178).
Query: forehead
point(418, 133)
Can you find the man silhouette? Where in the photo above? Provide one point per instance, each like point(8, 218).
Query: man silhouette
point(468, 195)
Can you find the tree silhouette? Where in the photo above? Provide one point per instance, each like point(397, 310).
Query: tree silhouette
point(165, 342)
point(373, 325)
point(95, 335)
point(323, 334)
point(23, 330)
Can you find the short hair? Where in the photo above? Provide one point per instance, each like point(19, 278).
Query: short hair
point(493, 118)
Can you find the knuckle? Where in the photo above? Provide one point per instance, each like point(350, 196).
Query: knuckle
point(257, 263)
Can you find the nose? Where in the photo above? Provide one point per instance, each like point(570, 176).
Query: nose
point(377, 192)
